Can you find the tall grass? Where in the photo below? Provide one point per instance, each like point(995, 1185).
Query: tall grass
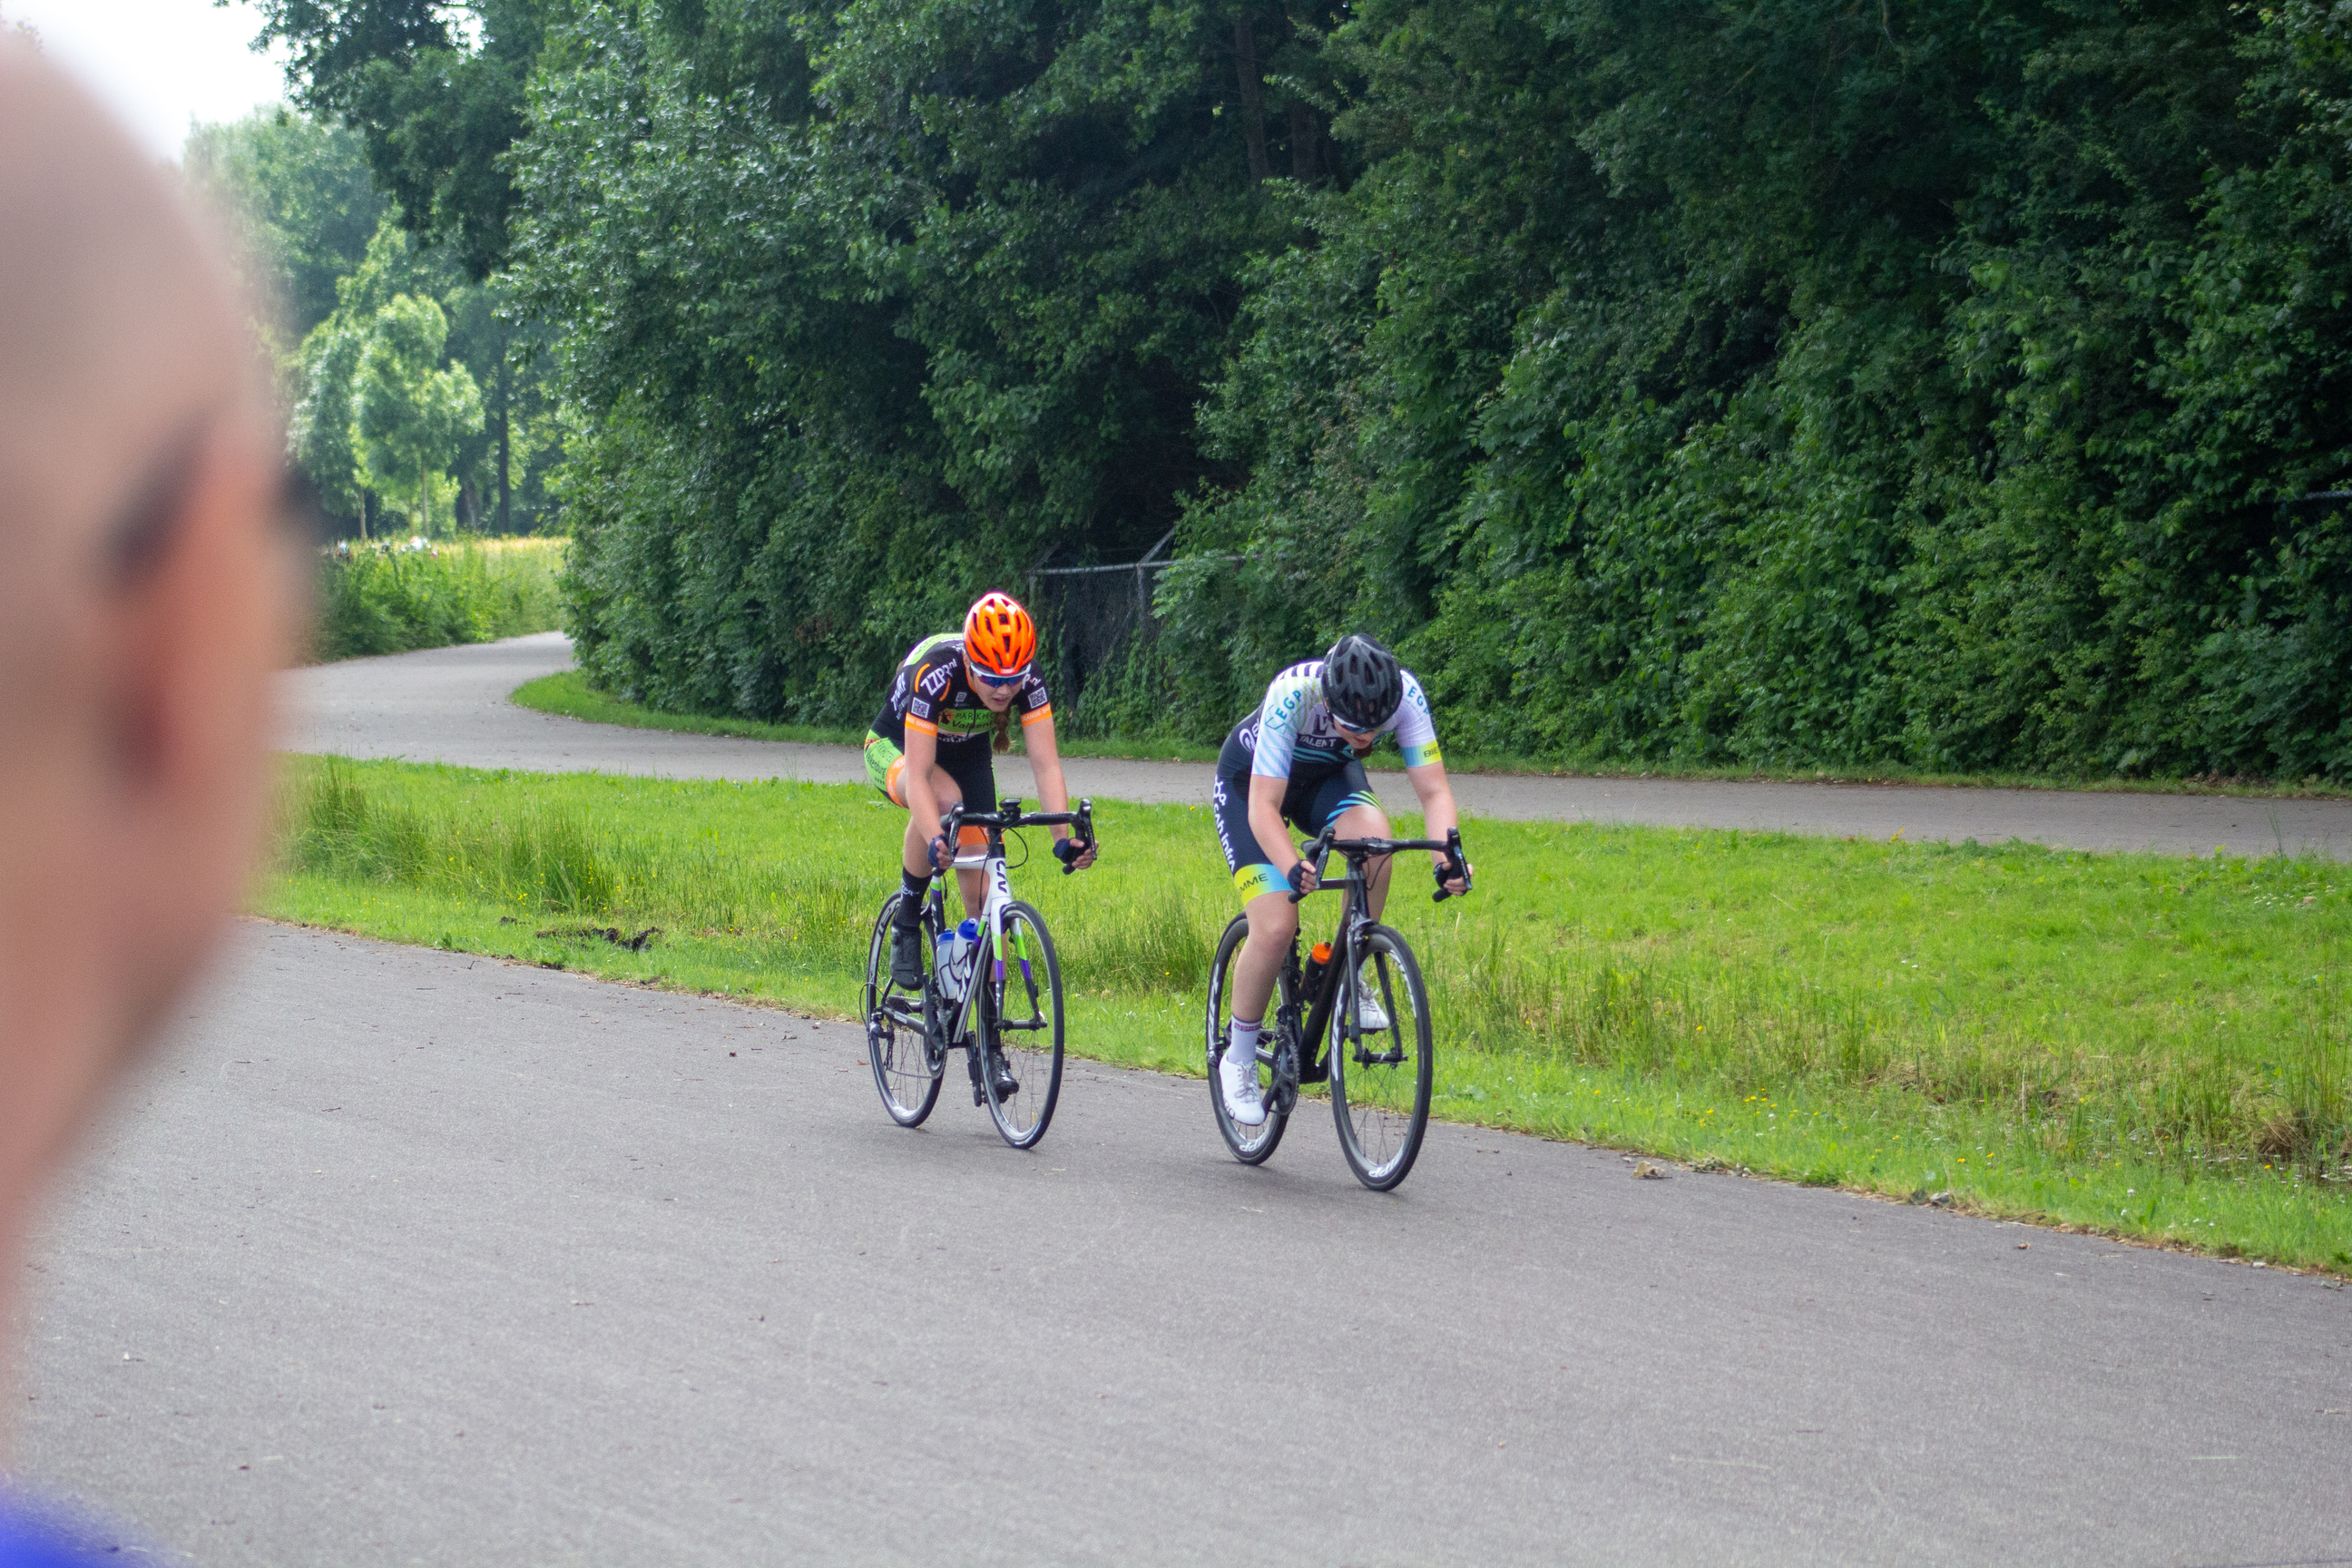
point(375, 599)
point(2269, 1086)
point(543, 860)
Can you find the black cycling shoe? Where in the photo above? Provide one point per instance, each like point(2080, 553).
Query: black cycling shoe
point(1001, 1073)
point(907, 957)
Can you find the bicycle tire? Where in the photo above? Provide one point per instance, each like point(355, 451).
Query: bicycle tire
point(1380, 1107)
point(1250, 1145)
point(1030, 1047)
point(906, 1066)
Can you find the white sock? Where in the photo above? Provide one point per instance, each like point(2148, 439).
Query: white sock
point(1243, 1047)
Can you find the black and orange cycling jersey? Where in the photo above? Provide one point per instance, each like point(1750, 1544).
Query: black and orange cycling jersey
point(932, 696)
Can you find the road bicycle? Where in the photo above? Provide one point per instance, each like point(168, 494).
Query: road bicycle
point(1380, 1078)
point(1009, 1011)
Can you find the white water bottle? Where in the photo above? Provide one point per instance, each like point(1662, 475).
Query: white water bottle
point(956, 949)
point(943, 964)
point(967, 953)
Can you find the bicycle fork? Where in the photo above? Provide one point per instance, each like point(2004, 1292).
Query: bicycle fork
point(1334, 1010)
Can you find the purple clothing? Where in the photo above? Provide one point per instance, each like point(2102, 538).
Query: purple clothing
point(29, 1539)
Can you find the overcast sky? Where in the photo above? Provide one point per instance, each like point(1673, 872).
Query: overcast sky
point(158, 64)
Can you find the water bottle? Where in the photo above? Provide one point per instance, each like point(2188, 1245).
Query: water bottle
point(956, 947)
point(943, 964)
point(1311, 982)
point(967, 953)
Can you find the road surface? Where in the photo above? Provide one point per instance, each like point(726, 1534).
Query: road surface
point(450, 705)
point(410, 1256)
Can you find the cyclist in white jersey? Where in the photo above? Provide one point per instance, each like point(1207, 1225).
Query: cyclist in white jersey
point(1299, 760)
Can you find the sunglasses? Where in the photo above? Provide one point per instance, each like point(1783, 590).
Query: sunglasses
point(1013, 680)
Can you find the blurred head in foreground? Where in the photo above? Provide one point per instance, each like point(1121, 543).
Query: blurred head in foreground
point(142, 604)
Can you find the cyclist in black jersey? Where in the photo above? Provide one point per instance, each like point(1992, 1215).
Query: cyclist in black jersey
point(929, 748)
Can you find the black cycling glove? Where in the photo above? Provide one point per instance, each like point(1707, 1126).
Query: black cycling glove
point(1443, 871)
point(1298, 875)
point(1067, 850)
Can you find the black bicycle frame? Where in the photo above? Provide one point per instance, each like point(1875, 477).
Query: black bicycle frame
point(1354, 916)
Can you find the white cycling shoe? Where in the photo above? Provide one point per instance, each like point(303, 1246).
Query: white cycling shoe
point(1371, 1016)
point(1237, 1078)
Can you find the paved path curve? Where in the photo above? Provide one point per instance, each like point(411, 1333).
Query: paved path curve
point(411, 1256)
point(450, 705)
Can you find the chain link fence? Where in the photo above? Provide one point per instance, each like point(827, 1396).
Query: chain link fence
point(1098, 643)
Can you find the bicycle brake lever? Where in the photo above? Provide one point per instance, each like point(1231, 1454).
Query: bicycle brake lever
point(1319, 850)
point(1084, 836)
point(1456, 861)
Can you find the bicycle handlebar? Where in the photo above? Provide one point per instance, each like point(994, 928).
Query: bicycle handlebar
point(1320, 848)
point(1010, 815)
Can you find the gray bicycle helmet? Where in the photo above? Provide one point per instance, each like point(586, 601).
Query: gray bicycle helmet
point(1361, 683)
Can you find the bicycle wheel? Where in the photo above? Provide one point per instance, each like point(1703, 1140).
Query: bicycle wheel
point(1021, 1021)
point(898, 1034)
point(1250, 1145)
point(1381, 1081)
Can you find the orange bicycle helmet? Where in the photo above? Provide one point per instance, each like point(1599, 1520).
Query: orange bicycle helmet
point(998, 634)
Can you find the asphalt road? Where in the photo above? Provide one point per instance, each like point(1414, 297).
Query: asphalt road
point(408, 1257)
point(450, 705)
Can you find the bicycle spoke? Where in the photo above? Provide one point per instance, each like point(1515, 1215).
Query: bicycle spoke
point(898, 1039)
point(1026, 1049)
point(1250, 1145)
point(1380, 1080)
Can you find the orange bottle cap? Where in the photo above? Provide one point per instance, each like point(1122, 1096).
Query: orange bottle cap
point(1322, 953)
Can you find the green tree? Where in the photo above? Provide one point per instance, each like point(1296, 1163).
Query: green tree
point(1768, 382)
point(436, 93)
point(319, 430)
point(327, 363)
point(506, 359)
point(297, 192)
point(438, 90)
point(916, 295)
point(409, 412)
point(1799, 382)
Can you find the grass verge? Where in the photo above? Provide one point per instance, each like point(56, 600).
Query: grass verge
point(570, 695)
point(2153, 1047)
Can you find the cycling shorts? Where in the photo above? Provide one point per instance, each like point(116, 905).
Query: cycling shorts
point(1311, 801)
point(971, 766)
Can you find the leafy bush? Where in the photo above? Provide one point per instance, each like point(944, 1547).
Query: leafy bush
point(1786, 383)
point(390, 599)
point(1795, 384)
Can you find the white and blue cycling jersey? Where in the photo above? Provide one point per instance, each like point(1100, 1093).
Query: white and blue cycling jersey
point(1292, 729)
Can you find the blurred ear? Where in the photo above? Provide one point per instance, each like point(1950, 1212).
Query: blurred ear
point(198, 620)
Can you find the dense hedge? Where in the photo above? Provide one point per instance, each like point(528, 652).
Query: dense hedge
point(1781, 382)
